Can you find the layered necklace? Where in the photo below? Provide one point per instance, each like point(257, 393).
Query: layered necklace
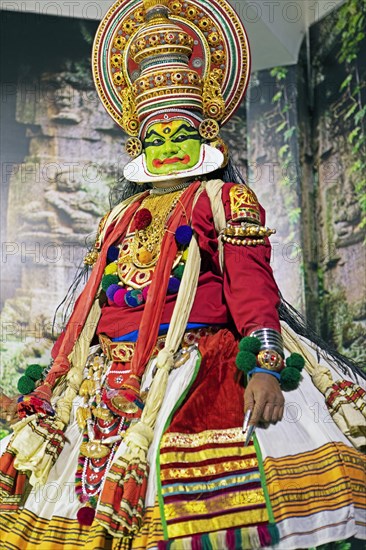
point(147, 238)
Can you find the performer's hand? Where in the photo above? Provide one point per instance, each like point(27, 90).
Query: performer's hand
point(8, 408)
point(264, 397)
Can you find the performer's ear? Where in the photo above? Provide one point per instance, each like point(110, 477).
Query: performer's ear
point(133, 147)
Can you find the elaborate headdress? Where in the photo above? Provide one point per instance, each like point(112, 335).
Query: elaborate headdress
point(164, 58)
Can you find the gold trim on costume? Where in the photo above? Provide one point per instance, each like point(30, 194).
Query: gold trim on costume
point(196, 456)
point(211, 469)
point(226, 521)
point(150, 238)
point(228, 502)
point(140, 251)
point(123, 351)
point(231, 435)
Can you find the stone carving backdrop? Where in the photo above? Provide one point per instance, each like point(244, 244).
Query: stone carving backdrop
point(55, 191)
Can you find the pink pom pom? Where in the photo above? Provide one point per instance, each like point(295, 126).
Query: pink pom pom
point(144, 292)
point(119, 297)
point(86, 516)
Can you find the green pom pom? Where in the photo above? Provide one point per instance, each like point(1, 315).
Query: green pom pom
point(178, 271)
point(93, 501)
point(246, 361)
point(34, 371)
point(109, 280)
point(25, 385)
point(250, 343)
point(296, 361)
point(290, 378)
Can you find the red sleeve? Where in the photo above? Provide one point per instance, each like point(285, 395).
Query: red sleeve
point(250, 290)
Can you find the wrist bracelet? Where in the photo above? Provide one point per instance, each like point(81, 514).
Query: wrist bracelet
point(270, 360)
point(249, 355)
point(266, 371)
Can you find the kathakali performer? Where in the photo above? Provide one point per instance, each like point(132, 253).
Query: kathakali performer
point(134, 437)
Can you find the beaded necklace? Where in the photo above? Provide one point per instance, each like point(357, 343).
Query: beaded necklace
point(166, 190)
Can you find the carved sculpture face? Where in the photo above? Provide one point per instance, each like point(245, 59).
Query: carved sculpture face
point(171, 147)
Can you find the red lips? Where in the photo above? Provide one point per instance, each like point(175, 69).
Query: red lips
point(157, 163)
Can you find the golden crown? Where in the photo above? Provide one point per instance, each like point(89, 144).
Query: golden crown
point(153, 55)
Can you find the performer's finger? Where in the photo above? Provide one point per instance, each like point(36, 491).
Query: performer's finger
point(268, 412)
point(257, 414)
point(276, 414)
point(282, 408)
point(248, 401)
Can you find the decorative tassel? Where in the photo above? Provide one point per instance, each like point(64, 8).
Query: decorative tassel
point(230, 539)
point(221, 538)
point(196, 542)
point(254, 537)
point(245, 540)
point(238, 540)
point(264, 535)
point(206, 543)
point(214, 539)
point(274, 532)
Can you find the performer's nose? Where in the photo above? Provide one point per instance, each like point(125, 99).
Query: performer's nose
point(170, 147)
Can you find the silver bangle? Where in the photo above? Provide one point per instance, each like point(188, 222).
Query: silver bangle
point(270, 339)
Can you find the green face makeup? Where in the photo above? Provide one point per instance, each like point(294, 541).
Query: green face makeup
point(171, 147)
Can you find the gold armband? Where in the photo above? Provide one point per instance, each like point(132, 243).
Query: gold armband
point(246, 234)
point(244, 227)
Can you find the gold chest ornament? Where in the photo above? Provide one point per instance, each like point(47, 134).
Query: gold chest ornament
point(140, 250)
